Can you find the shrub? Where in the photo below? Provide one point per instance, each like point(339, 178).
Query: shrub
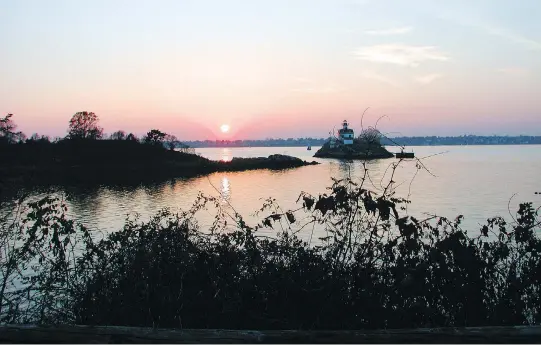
point(374, 268)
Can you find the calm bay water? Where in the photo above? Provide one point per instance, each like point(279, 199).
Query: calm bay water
point(476, 181)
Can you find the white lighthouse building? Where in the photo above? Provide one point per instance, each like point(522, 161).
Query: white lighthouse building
point(346, 134)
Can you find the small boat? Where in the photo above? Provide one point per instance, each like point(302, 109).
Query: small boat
point(309, 148)
point(403, 154)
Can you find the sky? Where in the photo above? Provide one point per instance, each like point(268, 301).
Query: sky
point(271, 69)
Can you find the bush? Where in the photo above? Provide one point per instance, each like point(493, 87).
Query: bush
point(375, 268)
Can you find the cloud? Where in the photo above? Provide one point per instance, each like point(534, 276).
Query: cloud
point(510, 36)
point(400, 54)
point(391, 31)
point(381, 78)
point(427, 79)
point(513, 71)
point(488, 28)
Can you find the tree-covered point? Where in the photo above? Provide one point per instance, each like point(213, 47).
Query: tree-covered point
point(84, 156)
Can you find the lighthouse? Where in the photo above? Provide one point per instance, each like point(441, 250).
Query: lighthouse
point(346, 134)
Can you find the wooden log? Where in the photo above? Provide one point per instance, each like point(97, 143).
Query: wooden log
point(117, 334)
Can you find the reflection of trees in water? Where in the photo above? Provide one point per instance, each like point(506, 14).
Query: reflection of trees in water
point(342, 168)
point(346, 168)
point(106, 207)
point(354, 169)
point(84, 203)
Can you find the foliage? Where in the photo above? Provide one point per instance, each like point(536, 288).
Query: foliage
point(155, 137)
point(39, 139)
point(84, 125)
point(8, 134)
point(132, 137)
point(118, 135)
point(38, 266)
point(375, 267)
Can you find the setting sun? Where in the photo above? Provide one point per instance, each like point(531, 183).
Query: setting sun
point(224, 128)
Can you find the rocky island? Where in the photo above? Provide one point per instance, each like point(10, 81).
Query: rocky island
point(346, 146)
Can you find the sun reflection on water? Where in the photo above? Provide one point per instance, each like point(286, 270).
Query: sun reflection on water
point(226, 155)
point(225, 191)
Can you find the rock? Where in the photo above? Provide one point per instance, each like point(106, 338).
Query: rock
point(358, 150)
point(276, 161)
point(284, 158)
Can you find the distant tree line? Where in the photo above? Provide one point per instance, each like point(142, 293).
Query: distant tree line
point(387, 141)
point(464, 140)
point(265, 142)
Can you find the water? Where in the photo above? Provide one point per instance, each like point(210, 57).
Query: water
point(475, 181)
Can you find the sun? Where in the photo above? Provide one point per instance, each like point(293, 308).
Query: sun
point(224, 128)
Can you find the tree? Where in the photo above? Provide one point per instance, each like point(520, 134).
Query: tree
point(118, 135)
point(7, 130)
point(131, 137)
point(36, 138)
point(84, 125)
point(155, 137)
point(171, 141)
point(370, 136)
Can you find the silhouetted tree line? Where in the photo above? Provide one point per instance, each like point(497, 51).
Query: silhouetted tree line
point(84, 125)
point(86, 139)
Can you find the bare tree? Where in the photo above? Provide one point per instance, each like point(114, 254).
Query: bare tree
point(370, 135)
point(171, 141)
point(118, 135)
point(84, 125)
point(132, 137)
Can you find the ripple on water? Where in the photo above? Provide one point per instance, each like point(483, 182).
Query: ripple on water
point(476, 181)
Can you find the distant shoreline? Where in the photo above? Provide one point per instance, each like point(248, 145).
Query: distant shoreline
point(469, 140)
point(317, 145)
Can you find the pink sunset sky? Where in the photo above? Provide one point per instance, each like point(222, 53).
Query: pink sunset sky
point(280, 68)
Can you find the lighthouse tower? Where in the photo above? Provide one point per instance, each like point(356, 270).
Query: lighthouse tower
point(346, 134)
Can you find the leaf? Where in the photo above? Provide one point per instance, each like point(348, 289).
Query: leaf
point(290, 217)
point(484, 230)
point(308, 202)
point(267, 222)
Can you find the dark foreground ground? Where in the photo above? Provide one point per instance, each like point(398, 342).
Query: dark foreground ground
point(116, 335)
